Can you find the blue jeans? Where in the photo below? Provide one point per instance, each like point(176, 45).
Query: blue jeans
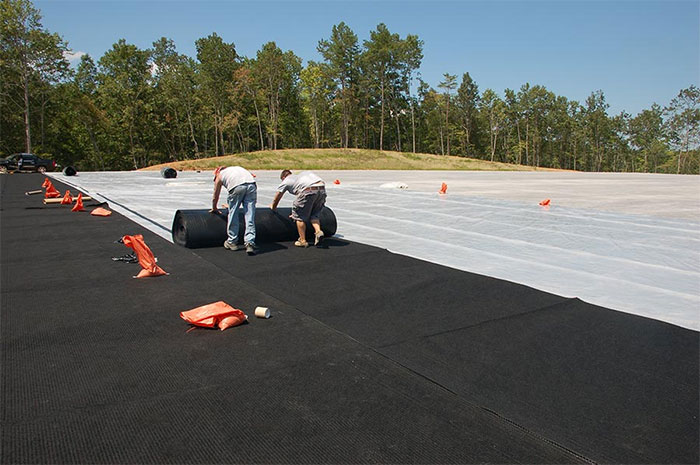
point(246, 194)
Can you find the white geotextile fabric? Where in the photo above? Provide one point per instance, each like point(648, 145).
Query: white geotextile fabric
point(641, 264)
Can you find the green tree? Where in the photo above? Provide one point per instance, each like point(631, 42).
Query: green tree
point(467, 103)
point(448, 84)
point(683, 122)
point(341, 53)
point(390, 61)
point(30, 57)
point(493, 110)
point(317, 91)
point(217, 62)
point(647, 135)
point(124, 76)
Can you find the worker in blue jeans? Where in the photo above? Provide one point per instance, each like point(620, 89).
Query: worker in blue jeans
point(242, 191)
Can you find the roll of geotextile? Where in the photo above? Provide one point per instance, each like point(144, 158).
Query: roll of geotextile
point(168, 172)
point(201, 228)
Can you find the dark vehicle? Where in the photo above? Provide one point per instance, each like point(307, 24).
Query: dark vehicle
point(26, 162)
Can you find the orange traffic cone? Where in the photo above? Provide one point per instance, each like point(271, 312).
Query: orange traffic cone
point(78, 207)
point(51, 192)
point(67, 199)
point(99, 211)
point(218, 314)
point(545, 203)
point(46, 183)
point(443, 189)
point(337, 181)
point(146, 258)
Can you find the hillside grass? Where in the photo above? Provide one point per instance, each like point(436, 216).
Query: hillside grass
point(342, 159)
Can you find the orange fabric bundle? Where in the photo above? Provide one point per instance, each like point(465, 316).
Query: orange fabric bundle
point(545, 202)
point(443, 189)
point(218, 314)
point(51, 192)
point(67, 199)
point(78, 207)
point(146, 258)
point(99, 211)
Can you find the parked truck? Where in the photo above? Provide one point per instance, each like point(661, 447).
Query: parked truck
point(26, 162)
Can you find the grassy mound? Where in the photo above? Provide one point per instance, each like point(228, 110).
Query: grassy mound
point(342, 159)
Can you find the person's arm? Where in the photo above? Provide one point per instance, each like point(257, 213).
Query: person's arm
point(276, 200)
point(215, 198)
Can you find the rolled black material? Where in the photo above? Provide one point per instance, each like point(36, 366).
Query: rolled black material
point(200, 228)
point(168, 172)
point(69, 171)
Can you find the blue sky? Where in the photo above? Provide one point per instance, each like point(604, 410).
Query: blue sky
point(637, 52)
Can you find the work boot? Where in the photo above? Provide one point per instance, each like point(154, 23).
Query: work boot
point(231, 246)
point(301, 244)
point(318, 237)
point(250, 248)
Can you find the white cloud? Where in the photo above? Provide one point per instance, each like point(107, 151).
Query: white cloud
point(73, 56)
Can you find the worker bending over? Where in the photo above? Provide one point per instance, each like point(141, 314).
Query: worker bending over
point(242, 190)
point(310, 191)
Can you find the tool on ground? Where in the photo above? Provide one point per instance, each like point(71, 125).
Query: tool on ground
point(53, 201)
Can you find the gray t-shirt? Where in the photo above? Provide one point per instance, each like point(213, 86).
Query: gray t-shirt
point(296, 183)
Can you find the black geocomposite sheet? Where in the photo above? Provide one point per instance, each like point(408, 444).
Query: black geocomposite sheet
point(369, 357)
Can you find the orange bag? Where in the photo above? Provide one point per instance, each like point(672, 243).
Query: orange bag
point(218, 314)
point(146, 258)
point(78, 207)
point(51, 192)
point(99, 211)
point(443, 189)
point(67, 199)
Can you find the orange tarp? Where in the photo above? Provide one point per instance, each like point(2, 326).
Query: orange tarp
point(146, 258)
point(218, 314)
point(99, 211)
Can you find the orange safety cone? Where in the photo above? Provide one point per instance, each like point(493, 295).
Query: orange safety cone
point(46, 183)
point(337, 181)
point(99, 211)
point(443, 189)
point(218, 314)
point(146, 258)
point(67, 199)
point(545, 203)
point(78, 207)
point(51, 192)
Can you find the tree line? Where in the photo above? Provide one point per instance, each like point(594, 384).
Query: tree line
point(137, 107)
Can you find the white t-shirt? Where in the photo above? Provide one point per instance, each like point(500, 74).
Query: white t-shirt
point(296, 183)
point(233, 176)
